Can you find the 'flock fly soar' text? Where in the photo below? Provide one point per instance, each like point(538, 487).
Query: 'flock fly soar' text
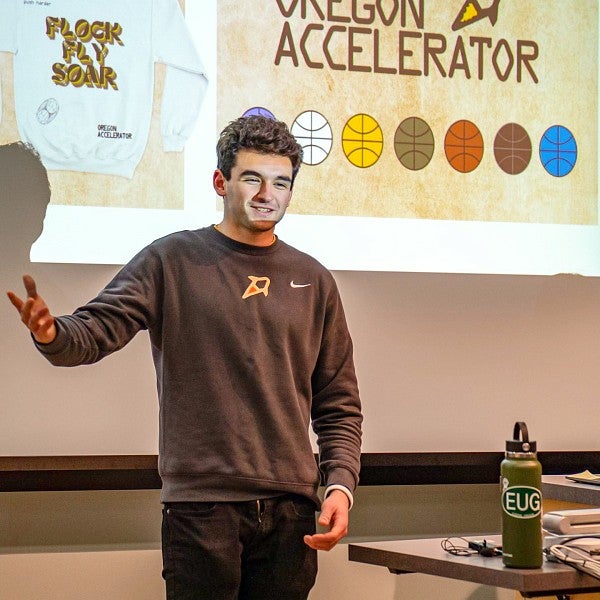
point(345, 35)
point(75, 45)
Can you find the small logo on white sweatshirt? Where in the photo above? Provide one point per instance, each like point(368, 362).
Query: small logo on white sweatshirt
point(47, 111)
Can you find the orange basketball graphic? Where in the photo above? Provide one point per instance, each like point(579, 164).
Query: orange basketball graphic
point(463, 146)
point(362, 140)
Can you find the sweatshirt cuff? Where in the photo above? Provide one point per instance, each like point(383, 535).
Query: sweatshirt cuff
point(341, 476)
point(342, 488)
point(56, 346)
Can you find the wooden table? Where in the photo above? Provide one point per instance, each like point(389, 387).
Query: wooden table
point(427, 556)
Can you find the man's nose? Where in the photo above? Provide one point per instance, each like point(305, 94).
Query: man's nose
point(265, 191)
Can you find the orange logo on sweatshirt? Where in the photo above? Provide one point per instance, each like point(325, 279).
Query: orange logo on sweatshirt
point(258, 285)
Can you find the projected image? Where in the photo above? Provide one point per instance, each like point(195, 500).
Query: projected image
point(81, 89)
point(451, 136)
point(420, 97)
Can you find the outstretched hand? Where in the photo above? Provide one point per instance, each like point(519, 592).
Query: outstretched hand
point(34, 312)
point(334, 516)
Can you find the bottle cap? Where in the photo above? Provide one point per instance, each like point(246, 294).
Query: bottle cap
point(520, 441)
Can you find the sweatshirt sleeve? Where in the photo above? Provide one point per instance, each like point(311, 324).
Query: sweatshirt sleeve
point(186, 80)
point(336, 408)
point(128, 304)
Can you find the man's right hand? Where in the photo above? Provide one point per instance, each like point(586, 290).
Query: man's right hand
point(34, 312)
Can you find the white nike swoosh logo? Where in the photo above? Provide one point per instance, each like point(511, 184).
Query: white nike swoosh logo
point(299, 285)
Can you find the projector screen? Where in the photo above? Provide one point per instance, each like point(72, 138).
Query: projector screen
point(439, 136)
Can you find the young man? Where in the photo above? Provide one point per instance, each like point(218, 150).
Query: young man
point(250, 346)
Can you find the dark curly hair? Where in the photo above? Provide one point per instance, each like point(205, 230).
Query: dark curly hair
point(258, 134)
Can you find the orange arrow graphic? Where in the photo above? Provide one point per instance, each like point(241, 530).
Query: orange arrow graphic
point(471, 12)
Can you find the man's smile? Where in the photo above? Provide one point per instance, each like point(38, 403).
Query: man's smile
point(263, 209)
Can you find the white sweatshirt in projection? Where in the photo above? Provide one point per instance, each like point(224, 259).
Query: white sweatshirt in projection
point(84, 79)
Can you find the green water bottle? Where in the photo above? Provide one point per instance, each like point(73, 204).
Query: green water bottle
point(521, 483)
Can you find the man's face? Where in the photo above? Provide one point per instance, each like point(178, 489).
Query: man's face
point(257, 194)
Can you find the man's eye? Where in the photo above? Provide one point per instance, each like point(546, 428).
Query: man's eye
point(282, 185)
point(253, 180)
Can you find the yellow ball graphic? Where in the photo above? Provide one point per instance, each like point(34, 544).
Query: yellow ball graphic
point(362, 140)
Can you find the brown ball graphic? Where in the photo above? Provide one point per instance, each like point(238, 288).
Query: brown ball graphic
point(512, 148)
point(463, 146)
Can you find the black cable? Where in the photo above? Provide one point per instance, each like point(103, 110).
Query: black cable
point(457, 546)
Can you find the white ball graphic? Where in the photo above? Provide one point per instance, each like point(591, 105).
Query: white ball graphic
point(313, 132)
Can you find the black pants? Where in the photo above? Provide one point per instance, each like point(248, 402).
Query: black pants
point(239, 550)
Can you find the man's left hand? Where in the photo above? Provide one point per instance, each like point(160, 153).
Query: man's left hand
point(334, 516)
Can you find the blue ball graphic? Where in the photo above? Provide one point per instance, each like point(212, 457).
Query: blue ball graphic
point(558, 151)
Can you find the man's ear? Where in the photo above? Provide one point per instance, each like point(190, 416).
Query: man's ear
point(219, 182)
